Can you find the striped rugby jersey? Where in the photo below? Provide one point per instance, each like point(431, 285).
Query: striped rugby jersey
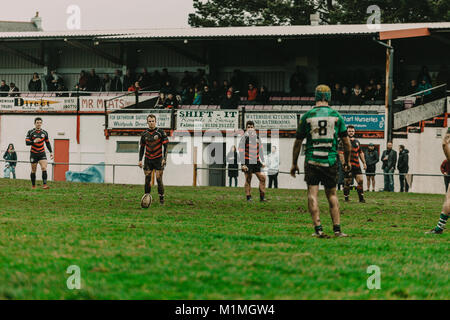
point(355, 152)
point(251, 149)
point(153, 141)
point(321, 126)
point(38, 134)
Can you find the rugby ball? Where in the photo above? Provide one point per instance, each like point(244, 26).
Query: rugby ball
point(146, 200)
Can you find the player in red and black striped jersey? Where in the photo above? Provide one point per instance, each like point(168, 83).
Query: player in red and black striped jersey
point(251, 157)
point(36, 138)
point(154, 145)
point(355, 172)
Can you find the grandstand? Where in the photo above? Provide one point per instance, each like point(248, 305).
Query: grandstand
point(85, 127)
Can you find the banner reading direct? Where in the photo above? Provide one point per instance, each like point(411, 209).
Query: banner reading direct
point(269, 121)
point(216, 120)
point(139, 120)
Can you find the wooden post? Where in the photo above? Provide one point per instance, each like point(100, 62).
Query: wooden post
point(194, 182)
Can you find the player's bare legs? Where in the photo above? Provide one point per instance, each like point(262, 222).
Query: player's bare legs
point(313, 205)
point(43, 164)
point(360, 188)
point(369, 179)
point(159, 181)
point(347, 183)
point(335, 212)
point(148, 181)
point(443, 217)
point(262, 184)
point(33, 174)
point(248, 185)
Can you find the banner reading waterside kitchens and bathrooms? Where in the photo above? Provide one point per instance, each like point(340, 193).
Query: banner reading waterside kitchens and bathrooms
point(365, 122)
point(139, 120)
point(269, 121)
point(207, 120)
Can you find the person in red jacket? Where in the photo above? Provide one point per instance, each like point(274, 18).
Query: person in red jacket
point(252, 93)
point(445, 169)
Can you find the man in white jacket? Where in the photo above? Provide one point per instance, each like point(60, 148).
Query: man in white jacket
point(273, 167)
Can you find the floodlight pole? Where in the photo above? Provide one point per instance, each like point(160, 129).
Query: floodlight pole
point(389, 86)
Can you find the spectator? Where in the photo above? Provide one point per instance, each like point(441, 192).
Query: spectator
point(225, 88)
point(197, 96)
point(336, 93)
point(135, 87)
point(237, 80)
point(35, 83)
point(403, 167)
point(82, 82)
point(424, 74)
point(4, 88)
point(156, 81)
point(345, 96)
point(146, 80)
point(171, 102)
point(297, 82)
point(187, 96)
point(199, 78)
point(356, 97)
point(160, 102)
point(167, 87)
point(445, 169)
point(232, 161)
point(369, 91)
point(61, 90)
point(11, 161)
point(252, 92)
point(379, 94)
point(412, 88)
point(187, 80)
point(128, 80)
point(207, 98)
point(389, 159)
point(165, 77)
point(13, 90)
point(106, 83)
point(93, 82)
point(215, 92)
point(273, 167)
point(424, 85)
point(55, 80)
point(116, 82)
point(229, 102)
point(263, 95)
point(372, 157)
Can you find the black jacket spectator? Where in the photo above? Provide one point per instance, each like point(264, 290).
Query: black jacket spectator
point(356, 97)
point(207, 98)
point(93, 82)
point(170, 102)
point(229, 102)
point(116, 82)
point(263, 95)
point(146, 80)
point(106, 83)
point(128, 80)
point(403, 159)
point(391, 159)
point(372, 157)
point(11, 157)
point(35, 83)
point(345, 96)
point(187, 96)
point(13, 90)
point(167, 88)
point(4, 89)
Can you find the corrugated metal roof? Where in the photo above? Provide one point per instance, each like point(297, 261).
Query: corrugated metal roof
point(223, 32)
point(17, 26)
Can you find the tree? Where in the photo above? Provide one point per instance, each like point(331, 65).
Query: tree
point(225, 13)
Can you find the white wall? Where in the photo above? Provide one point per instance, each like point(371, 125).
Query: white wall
point(425, 153)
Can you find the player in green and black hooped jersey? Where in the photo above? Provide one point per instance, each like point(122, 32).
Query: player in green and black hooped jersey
point(251, 158)
point(355, 154)
point(321, 127)
point(445, 213)
point(154, 145)
point(36, 138)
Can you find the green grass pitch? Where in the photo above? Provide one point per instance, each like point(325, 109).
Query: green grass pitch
point(209, 243)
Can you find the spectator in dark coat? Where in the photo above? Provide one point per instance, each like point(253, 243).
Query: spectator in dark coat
point(336, 93)
point(116, 82)
point(389, 158)
point(445, 169)
point(403, 167)
point(379, 94)
point(146, 80)
point(93, 83)
point(82, 81)
point(35, 83)
point(356, 97)
point(345, 96)
point(187, 96)
point(424, 74)
point(229, 102)
point(207, 98)
point(372, 158)
point(4, 88)
point(13, 90)
point(215, 92)
point(263, 95)
point(128, 80)
point(167, 88)
point(106, 83)
point(232, 161)
point(171, 102)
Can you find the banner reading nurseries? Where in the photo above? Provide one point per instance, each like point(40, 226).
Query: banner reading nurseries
point(139, 120)
point(207, 120)
point(270, 121)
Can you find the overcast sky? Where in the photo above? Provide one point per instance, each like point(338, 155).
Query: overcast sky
point(102, 14)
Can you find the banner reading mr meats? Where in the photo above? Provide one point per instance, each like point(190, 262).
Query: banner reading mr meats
point(207, 120)
point(139, 120)
point(96, 104)
point(365, 122)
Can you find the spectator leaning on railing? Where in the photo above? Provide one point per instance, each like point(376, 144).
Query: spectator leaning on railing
point(35, 83)
point(170, 102)
point(4, 88)
point(229, 102)
point(252, 92)
point(13, 90)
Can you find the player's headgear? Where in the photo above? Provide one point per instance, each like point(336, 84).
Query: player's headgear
point(323, 93)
